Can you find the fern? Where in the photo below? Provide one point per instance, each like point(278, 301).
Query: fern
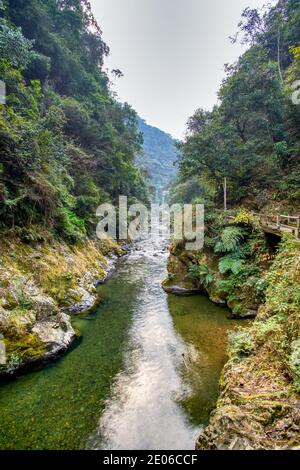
point(230, 240)
point(201, 272)
point(231, 263)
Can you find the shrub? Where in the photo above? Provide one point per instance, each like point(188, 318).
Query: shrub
point(245, 217)
point(202, 273)
point(266, 328)
point(69, 226)
point(232, 264)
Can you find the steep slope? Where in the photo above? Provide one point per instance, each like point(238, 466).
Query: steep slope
point(159, 156)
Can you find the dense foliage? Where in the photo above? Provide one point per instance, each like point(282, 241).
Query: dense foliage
point(235, 257)
point(252, 137)
point(66, 144)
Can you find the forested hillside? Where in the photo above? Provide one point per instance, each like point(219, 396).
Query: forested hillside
point(66, 144)
point(158, 157)
point(252, 136)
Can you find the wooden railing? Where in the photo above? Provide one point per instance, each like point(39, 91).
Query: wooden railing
point(281, 223)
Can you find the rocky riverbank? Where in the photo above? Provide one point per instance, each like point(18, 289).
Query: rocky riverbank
point(259, 402)
point(41, 286)
point(181, 280)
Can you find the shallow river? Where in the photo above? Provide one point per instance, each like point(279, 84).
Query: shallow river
point(144, 375)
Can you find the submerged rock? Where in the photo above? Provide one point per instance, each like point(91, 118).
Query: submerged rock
point(218, 301)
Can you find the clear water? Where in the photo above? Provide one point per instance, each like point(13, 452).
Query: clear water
point(144, 376)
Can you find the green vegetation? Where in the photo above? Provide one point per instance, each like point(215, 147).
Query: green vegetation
point(260, 383)
point(231, 265)
point(158, 157)
point(252, 137)
point(66, 144)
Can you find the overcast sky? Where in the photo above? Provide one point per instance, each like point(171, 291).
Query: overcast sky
point(172, 53)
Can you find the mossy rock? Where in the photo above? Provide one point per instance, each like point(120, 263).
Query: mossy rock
point(23, 349)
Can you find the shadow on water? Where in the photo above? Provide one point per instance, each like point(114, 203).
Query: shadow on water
point(144, 375)
point(204, 328)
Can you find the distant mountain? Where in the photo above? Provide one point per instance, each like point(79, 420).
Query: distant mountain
point(159, 156)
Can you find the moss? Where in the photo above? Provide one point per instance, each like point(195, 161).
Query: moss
point(77, 332)
point(19, 319)
point(9, 300)
point(169, 280)
point(71, 299)
point(261, 381)
point(24, 347)
point(58, 286)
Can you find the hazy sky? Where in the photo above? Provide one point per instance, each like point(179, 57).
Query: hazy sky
point(172, 53)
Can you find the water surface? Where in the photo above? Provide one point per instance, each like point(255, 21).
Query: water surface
point(144, 376)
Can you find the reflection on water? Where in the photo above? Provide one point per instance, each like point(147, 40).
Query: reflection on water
point(143, 411)
point(164, 394)
point(144, 376)
point(204, 328)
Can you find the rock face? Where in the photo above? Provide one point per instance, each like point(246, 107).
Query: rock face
point(56, 335)
point(40, 288)
point(256, 411)
point(259, 403)
point(181, 281)
point(178, 282)
point(35, 334)
point(178, 290)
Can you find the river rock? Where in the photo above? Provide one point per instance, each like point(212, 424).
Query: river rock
point(218, 301)
point(245, 314)
point(177, 290)
point(56, 335)
point(87, 302)
point(44, 307)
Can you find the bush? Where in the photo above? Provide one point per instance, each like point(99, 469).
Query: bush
point(231, 264)
point(202, 273)
point(69, 226)
point(38, 67)
point(14, 47)
point(245, 217)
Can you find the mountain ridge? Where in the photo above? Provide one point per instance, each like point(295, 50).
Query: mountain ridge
point(158, 157)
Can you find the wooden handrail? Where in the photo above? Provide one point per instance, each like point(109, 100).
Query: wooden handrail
point(281, 223)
